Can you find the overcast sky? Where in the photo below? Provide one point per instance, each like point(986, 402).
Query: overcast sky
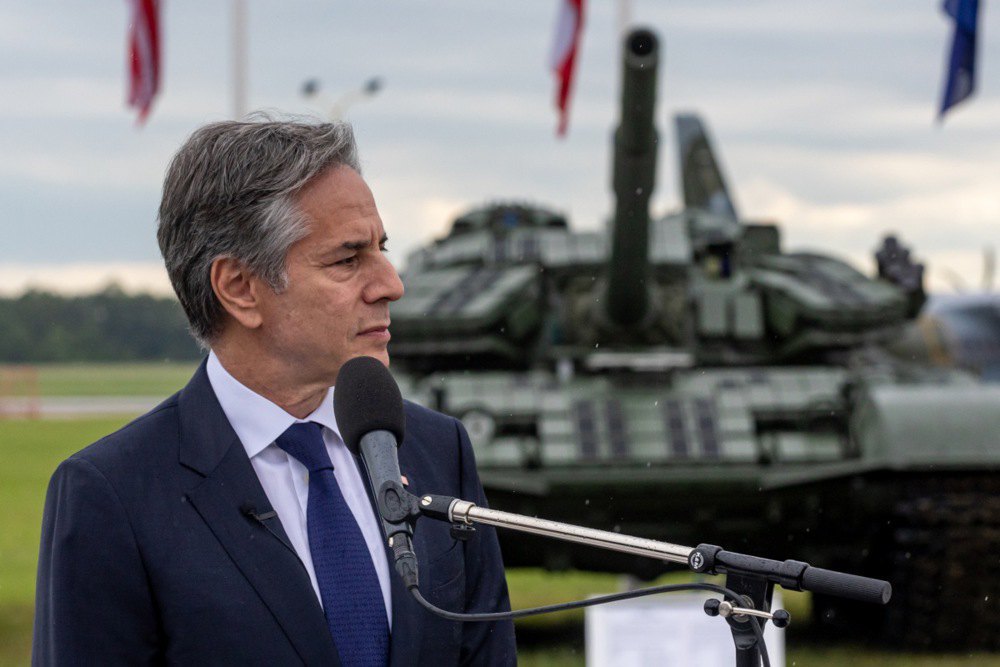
point(823, 112)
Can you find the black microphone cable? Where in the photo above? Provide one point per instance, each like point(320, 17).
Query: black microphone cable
point(603, 599)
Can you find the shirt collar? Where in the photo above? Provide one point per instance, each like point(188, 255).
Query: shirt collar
point(256, 420)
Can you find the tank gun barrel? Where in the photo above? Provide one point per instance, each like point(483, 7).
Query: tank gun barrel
point(634, 176)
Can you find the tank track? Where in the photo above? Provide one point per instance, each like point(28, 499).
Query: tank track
point(944, 565)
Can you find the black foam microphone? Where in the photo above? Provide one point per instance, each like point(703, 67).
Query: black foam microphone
point(369, 411)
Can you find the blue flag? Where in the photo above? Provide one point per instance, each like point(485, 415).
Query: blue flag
point(962, 63)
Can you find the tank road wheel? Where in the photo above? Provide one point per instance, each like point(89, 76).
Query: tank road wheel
point(945, 567)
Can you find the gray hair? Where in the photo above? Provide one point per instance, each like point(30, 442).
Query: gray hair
point(231, 192)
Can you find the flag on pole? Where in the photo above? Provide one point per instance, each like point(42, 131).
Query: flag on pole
point(961, 81)
point(568, 26)
point(143, 55)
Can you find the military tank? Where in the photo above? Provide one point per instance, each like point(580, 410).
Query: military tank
point(685, 378)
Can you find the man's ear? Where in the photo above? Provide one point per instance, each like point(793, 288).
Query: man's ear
point(237, 289)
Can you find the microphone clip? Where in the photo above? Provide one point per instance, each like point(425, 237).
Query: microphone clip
point(462, 532)
point(396, 504)
point(250, 511)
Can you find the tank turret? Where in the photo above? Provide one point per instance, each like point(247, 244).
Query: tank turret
point(626, 301)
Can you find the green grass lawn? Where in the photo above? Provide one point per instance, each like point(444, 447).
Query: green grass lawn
point(126, 379)
point(31, 449)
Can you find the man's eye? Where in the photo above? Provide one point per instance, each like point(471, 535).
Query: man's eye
point(347, 261)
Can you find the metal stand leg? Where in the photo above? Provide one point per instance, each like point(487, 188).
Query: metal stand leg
point(756, 593)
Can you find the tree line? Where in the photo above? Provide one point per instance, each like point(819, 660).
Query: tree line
point(109, 325)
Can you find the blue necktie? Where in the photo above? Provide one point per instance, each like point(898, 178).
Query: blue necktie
point(348, 585)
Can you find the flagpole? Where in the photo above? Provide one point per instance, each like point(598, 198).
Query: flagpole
point(624, 20)
point(624, 23)
point(239, 55)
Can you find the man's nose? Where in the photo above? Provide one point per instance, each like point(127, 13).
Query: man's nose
point(385, 283)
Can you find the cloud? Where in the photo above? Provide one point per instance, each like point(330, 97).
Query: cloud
point(765, 18)
point(945, 229)
point(39, 32)
point(823, 114)
point(105, 173)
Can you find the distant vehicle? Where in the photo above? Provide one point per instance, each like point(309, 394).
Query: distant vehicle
point(684, 378)
point(959, 330)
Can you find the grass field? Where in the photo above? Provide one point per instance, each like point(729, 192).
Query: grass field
point(138, 379)
point(31, 449)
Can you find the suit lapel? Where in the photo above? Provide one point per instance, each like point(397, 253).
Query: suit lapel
point(259, 549)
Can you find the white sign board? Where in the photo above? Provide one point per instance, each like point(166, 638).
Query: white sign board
point(668, 629)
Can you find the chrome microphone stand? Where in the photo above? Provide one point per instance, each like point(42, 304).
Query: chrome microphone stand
point(751, 578)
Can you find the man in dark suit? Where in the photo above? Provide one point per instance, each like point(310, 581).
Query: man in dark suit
point(231, 525)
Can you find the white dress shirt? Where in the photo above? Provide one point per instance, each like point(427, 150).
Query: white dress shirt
point(258, 422)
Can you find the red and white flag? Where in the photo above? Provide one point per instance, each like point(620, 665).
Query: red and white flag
point(143, 55)
point(568, 26)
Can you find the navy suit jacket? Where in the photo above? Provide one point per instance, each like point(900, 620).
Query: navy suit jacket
point(149, 555)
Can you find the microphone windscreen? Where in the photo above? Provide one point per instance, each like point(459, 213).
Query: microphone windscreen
point(366, 399)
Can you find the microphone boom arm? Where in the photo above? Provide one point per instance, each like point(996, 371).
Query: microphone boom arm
point(705, 558)
point(458, 511)
point(751, 577)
